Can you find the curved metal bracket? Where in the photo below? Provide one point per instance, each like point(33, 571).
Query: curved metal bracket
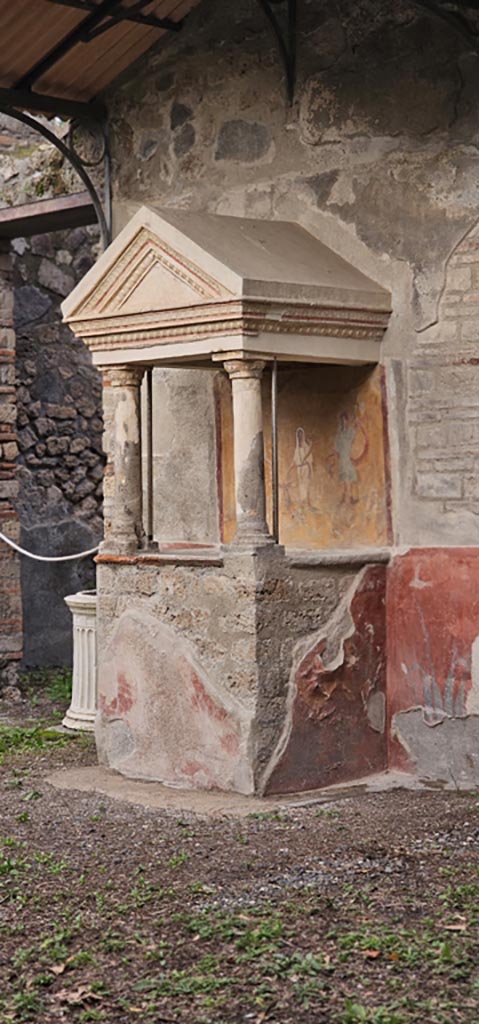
point(79, 165)
point(285, 32)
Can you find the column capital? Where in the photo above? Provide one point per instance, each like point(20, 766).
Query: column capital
point(129, 376)
point(244, 369)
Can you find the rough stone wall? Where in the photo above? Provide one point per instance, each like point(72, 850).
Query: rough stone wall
point(58, 396)
point(377, 155)
point(10, 593)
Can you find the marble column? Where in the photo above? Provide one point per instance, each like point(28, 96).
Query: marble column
point(252, 528)
point(123, 488)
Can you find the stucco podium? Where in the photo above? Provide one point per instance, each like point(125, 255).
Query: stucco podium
point(235, 663)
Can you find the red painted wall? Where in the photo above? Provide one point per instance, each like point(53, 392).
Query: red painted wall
point(432, 621)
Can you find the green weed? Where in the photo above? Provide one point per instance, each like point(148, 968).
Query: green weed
point(21, 739)
point(178, 858)
point(354, 1013)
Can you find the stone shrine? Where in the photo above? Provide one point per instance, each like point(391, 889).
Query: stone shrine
point(253, 660)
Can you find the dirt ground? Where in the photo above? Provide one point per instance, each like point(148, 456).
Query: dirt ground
point(362, 910)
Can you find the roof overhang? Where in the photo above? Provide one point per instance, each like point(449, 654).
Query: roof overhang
point(59, 55)
point(183, 288)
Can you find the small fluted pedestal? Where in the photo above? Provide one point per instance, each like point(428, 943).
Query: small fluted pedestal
point(82, 710)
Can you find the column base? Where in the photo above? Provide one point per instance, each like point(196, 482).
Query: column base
point(248, 541)
point(82, 721)
point(115, 545)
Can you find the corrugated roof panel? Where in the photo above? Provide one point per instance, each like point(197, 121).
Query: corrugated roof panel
point(31, 29)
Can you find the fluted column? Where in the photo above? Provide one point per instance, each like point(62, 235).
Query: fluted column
point(245, 375)
point(123, 497)
point(82, 710)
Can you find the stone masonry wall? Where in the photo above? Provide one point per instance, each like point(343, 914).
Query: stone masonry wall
point(443, 400)
point(10, 592)
point(378, 155)
point(60, 458)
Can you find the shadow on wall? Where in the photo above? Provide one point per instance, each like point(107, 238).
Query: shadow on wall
point(47, 621)
point(59, 431)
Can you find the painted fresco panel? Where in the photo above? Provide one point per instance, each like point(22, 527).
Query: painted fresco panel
point(333, 490)
point(433, 623)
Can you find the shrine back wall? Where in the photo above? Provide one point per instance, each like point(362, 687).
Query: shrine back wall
point(378, 156)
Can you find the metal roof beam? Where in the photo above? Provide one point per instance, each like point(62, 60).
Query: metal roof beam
point(22, 99)
point(44, 215)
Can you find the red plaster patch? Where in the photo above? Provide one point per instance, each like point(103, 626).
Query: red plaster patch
point(125, 699)
point(108, 708)
point(122, 703)
point(191, 768)
point(230, 743)
point(200, 698)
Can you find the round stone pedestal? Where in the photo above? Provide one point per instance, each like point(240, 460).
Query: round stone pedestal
point(82, 710)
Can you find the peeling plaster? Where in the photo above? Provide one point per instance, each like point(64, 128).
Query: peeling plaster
point(449, 753)
point(335, 700)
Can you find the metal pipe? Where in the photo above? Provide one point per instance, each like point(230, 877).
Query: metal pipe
point(107, 181)
point(274, 449)
point(39, 103)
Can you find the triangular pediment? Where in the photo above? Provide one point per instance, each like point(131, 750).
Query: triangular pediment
point(143, 270)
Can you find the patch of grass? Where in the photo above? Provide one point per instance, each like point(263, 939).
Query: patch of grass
point(26, 1006)
point(408, 948)
point(462, 897)
point(12, 866)
point(184, 983)
point(356, 1013)
point(50, 862)
point(59, 686)
point(21, 739)
point(54, 684)
point(260, 940)
point(178, 858)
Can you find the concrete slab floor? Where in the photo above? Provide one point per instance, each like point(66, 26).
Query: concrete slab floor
point(96, 779)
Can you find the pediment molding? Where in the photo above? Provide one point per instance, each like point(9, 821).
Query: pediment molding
point(236, 317)
point(138, 259)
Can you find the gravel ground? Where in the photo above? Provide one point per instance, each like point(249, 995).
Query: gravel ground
point(362, 910)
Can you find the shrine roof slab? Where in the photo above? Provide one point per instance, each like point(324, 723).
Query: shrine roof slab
point(176, 286)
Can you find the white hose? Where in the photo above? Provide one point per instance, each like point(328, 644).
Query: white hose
point(43, 558)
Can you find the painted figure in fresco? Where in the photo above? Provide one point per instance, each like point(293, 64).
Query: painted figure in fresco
point(300, 474)
point(347, 457)
point(303, 463)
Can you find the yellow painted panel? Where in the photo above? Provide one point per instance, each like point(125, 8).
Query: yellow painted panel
point(332, 480)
